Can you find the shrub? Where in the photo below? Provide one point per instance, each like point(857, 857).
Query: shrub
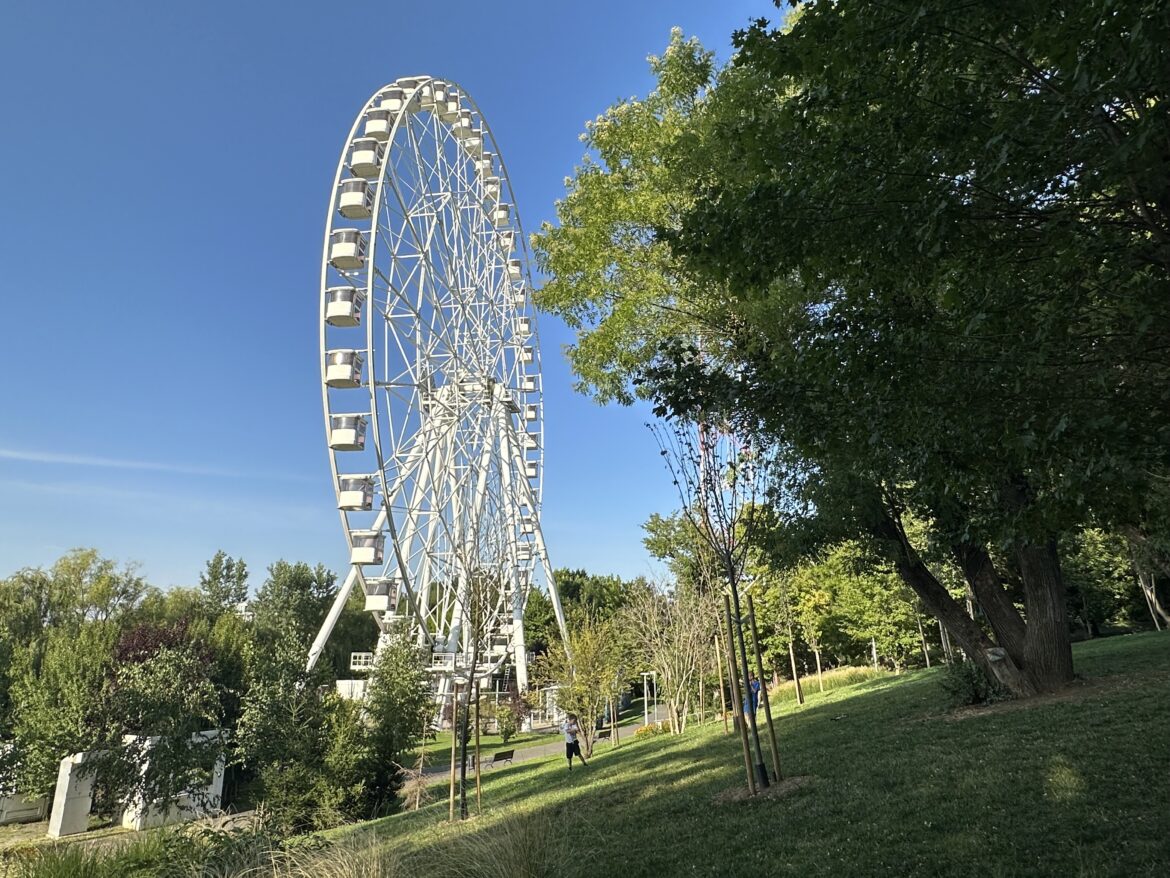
point(966, 683)
point(649, 731)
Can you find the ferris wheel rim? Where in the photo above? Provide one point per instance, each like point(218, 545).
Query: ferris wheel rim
point(331, 225)
point(376, 403)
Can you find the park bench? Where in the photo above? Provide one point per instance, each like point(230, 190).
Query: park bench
point(504, 756)
point(602, 733)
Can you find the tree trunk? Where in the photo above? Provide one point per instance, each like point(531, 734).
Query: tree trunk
point(820, 678)
point(1149, 589)
point(922, 638)
point(873, 649)
point(478, 764)
point(736, 704)
point(995, 661)
point(945, 640)
point(1047, 649)
point(987, 585)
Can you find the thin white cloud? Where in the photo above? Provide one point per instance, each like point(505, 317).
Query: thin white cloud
point(233, 508)
point(82, 460)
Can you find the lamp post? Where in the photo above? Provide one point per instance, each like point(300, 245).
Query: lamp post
point(654, 674)
point(646, 697)
point(645, 700)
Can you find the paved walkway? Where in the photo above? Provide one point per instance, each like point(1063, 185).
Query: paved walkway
point(440, 770)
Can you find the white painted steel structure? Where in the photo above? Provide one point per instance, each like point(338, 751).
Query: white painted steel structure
point(431, 384)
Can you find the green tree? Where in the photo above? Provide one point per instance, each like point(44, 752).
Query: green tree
point(670, 632)
point(285, 727)
point(967, 318)
point(611, 277)
point(294, 597)
point(540, 622)
point(398, 709)
point(158, 690)
point(588, 681)
point(57, 700)
point(675, 540)
point(589, 595)
point(224, 584)
point(1103, 588)
point(904, 299)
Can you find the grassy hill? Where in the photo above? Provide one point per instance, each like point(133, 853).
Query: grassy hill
point(889, 781)
point(896, 784)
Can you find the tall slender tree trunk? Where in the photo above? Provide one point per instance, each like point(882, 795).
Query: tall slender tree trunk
point(478, 763)
point(736, 703)
point(820, 677)
point(772, 743)
point(945, 640)
point(454, 743)
point(922, 639)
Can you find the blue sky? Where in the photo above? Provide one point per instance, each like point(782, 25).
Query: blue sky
point(164, 175)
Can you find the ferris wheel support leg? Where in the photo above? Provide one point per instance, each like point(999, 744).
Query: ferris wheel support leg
point(422, 466)
point(404, 572)
point(331, 619)
point(518, 645)
point(519, 589)
point(538, 534)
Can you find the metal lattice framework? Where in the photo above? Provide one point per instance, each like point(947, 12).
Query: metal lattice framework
point(431, 383)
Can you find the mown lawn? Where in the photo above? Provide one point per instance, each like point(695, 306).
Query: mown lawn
point(438, 749)
point(898, 784)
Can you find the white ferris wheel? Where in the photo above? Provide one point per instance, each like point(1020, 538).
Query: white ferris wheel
point(431, 385)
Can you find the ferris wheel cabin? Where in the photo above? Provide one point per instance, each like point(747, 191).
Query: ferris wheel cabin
point(343, 369)
point(348, 432)
point(343, 306)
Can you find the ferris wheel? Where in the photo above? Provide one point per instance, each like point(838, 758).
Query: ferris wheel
point(431, 384)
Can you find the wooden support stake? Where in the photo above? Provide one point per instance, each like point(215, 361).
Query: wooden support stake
point(722, 691)
point(795, 672)
point(478, 764)
point(454, 739)
point(764, 690)
point(736, 701)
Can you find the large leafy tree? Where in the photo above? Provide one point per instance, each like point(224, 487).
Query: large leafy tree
point(947, 238)
point(398, 710)
point(934, 240)
point(612, 277)
point(292, 602)
point(675, 540)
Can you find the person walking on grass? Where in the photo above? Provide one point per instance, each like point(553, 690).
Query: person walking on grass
point(572, 745)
